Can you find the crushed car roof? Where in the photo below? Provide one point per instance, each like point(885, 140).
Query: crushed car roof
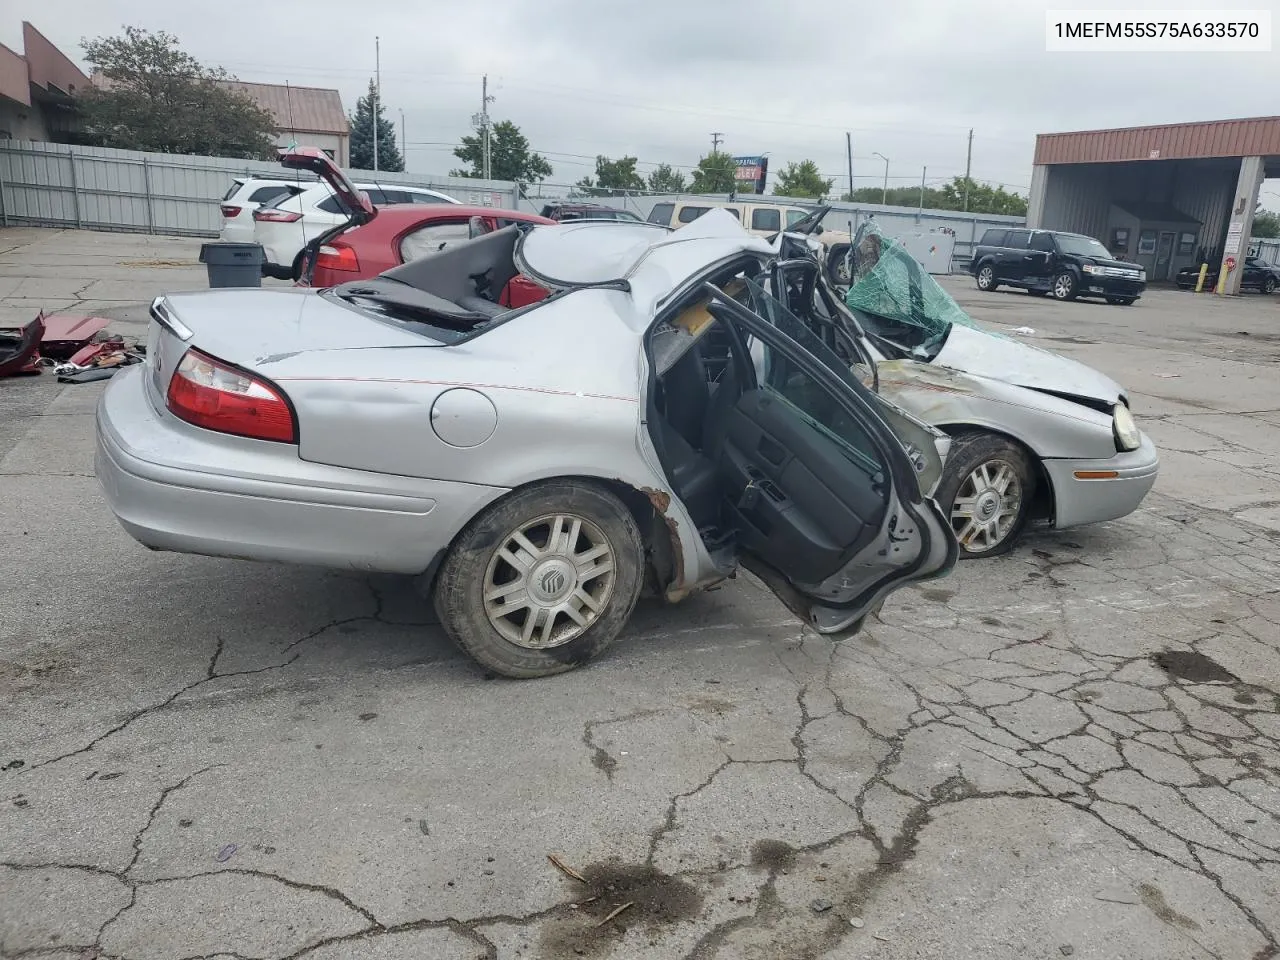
point(652, 260)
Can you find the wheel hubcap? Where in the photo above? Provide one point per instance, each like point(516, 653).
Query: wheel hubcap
point(1062, 287)
point(549, 581)
point(987, 506)
point(984, 276)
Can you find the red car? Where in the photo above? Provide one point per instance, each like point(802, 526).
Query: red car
point(407, 232)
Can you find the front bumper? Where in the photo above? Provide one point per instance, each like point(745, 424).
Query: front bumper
point(177, 487)
point(1096, 286)
point(1080, 501)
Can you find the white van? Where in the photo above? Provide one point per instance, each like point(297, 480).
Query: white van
point(761, 219)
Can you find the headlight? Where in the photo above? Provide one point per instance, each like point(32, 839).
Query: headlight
point(1125, 429)
point(1091, 268)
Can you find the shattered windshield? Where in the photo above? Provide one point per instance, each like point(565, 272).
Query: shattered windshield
point(895, 298)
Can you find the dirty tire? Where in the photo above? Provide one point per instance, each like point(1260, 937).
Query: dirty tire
point(987, 278)
point(969, 453)
point(1269, 285)
point(1065, 286)
point(461, 585)
point(838, 266)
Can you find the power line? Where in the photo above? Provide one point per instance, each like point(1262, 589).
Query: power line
point(572, 93)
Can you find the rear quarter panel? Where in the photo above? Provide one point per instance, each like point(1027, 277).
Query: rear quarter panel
point(564, 383)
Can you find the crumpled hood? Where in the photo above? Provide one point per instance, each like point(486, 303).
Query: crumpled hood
point(997, 358)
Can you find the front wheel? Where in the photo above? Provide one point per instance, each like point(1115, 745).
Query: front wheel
point(839, 267)
point(542, 581)
point(1269, 285)
point(986, 490)
point(987, 278)
point(1064, 286)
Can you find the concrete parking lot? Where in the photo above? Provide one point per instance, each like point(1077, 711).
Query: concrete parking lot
point(1073, 750)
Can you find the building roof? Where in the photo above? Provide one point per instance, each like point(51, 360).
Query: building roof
point(41, 66)
point(49, 67)
point(301, 109)
point(1249, 137)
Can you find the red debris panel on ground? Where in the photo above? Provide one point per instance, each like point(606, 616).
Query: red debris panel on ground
point(20, 349)
point(65, 334)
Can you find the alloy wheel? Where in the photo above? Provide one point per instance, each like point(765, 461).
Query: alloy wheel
point(549, 580)
point(985, 276)
point(1062, 286)
point(987, 505)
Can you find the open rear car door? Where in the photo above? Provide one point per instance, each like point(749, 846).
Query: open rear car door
point(823, 498)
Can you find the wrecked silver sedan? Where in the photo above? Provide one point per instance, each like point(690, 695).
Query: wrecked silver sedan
point(535, 465)
point(1036, 435)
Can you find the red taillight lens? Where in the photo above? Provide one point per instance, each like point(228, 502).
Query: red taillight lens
point(213, 395)
point(338, 256)
point(275, 216)
point(229, 211)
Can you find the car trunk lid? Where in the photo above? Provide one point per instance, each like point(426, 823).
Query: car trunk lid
point(260, 329)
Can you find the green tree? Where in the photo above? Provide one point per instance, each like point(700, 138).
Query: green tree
point(509, 156)
point(153, 96)
point(362, 135)
point(1266, 225)
point(897, 196)
point(983, 197)
point(802, 180)
point(613, 176)
point(667, 179)
point(715, 173)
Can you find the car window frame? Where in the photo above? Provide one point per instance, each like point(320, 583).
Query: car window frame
point(1009, 239)
point(426, 225)
point(702, 211)
point(770, 228)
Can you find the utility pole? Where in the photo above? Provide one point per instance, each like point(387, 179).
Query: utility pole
point(481, 121)
point(377, 95)
point(848, 146)
point(404, 143)
point(968, 164)
point(716, 140)
point(923, 171)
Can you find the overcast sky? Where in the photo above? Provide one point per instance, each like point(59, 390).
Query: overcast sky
point(907, 78)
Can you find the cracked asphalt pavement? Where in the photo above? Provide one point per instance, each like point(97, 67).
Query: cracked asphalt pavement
point(1073, 750)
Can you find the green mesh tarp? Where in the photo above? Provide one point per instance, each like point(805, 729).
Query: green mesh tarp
point(890, 283)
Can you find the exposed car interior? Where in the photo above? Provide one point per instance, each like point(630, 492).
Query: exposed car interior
point(455, 290)
point(758, 450)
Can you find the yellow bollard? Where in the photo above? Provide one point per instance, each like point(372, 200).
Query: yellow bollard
point(1204, 270)
point(1230, 265)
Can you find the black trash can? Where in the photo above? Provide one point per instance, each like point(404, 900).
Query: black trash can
point(233, 264)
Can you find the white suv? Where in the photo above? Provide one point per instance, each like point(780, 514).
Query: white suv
point(289, 223)
point(247, 195)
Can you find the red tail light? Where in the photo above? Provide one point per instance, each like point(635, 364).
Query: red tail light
point(338, 256)
point(229, 211)
point(272, 215)
point(211, 394)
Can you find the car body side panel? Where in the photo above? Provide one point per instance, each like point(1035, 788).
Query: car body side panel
point(1048, 426)
point(174, 486)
